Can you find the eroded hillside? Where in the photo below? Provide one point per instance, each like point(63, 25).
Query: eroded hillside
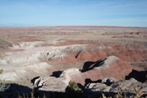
point(72, 54)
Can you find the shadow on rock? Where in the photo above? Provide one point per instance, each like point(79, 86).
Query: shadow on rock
point(33, 80)
point(16, 90)
point(88, 80)
point(140, 76)
point(89, 65)
point(57, 74)
point(20, 91)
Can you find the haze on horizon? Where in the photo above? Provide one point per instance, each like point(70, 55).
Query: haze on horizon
point(73, 12)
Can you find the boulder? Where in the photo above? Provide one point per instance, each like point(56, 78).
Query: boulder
point(108, 81)
point(54, 84)
point(129, 86)
point(97, 87)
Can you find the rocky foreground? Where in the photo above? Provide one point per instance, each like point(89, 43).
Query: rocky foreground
point(101, 62)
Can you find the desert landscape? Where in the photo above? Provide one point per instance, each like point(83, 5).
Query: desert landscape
point(73, 62)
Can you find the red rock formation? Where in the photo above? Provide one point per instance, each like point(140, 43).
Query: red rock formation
point(111, 67)
point(92, 52)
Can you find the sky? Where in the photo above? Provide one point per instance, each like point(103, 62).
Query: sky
point(73, 13)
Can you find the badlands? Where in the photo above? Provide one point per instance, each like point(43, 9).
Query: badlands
point(99, 59)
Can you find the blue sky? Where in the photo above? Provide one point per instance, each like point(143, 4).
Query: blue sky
point(73, 12)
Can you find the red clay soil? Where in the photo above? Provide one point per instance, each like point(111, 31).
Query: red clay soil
point(129, 53)
point(28, 40)
point(85, 55)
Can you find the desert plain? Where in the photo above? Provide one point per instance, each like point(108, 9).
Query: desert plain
point(48, 58)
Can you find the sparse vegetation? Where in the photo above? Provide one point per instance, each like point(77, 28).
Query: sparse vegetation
point(73, 90)
point(1, 71)
point(3, 85)
point(138, 94)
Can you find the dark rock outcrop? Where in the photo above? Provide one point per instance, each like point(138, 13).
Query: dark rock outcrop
point(129, 87)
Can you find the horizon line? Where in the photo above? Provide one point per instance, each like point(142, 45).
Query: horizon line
point(72, 26)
